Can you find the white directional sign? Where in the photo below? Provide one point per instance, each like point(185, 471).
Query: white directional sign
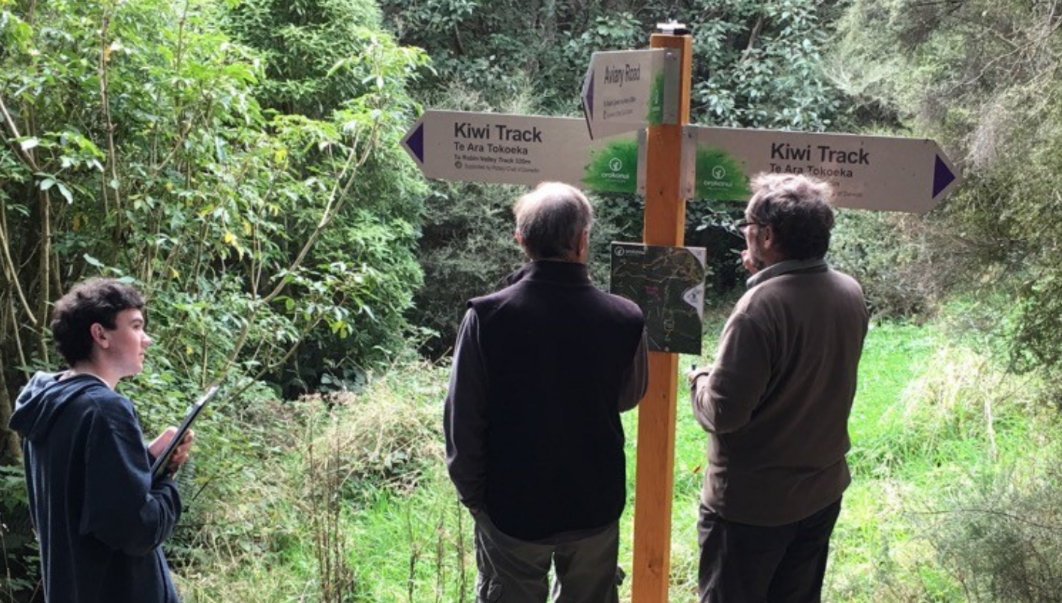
point(623, 91)
point(867, 172)
point(521, 149)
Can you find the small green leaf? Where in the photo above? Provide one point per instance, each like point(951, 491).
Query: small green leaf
point(29, 143)
point(93, 261)
point(65, 192)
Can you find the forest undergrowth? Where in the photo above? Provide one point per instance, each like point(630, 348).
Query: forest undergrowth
point(954, 494)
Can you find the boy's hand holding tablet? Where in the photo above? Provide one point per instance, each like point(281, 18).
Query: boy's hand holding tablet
point(171, 449)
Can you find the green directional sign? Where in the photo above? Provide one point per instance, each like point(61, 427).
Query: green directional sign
point(521, 149)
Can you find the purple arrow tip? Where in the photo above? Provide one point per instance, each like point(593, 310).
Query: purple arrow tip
point(942, 177)
point(415, 143)
point(590, 97)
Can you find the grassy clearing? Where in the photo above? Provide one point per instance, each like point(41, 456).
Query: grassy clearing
point(939, 437)
point(933, 421)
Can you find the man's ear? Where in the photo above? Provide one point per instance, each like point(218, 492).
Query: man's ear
point(769, 242)
point(99, 335)
point(519, 237)
point(583, 249)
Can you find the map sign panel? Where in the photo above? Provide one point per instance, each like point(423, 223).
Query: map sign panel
point(867, 172)
point(667, 283)
point(521, 149)
point(623, 91)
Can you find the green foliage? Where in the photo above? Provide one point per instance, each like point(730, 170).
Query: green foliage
point(250, 230)
point(933, 421)
point(301, 42)
point(905, 264)
point(344, 494)
point(982, 78)
point(275, 248)
point(18, 548)
point(466, 249)
point(759, 64)
point(934, 512)
point(755, 64)
point(1001, 537)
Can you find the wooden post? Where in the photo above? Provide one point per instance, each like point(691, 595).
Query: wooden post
point(665, 217)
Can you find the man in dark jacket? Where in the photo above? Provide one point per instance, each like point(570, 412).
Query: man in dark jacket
point(776, 404)
point(100, 520)
point(534, 442)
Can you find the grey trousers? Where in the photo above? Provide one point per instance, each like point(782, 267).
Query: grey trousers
point(515, 571)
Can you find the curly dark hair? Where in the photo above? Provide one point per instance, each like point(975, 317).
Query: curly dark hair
point(97, 300)
point(798, 210)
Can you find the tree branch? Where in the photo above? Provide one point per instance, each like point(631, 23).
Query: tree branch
point(9, 263)
point(27, 157)
point(747, 53)
point(105, 104)
point(44, 264)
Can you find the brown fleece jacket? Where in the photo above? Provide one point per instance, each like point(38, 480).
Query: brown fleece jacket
point(777, 400)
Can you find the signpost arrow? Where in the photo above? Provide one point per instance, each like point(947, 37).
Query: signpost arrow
point(867, 172)
point(624, 91)
point(521, 149)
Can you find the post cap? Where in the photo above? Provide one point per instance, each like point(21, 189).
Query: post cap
point(673, 27)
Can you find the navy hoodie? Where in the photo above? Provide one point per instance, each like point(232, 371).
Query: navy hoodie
point(100, 521)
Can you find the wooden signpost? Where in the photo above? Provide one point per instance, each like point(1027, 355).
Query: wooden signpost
point(665, 224)
point(669, 162)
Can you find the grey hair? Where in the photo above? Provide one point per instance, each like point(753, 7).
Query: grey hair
point(798, 209)
point(550, 220)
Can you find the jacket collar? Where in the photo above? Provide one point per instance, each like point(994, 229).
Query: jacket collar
point(568, 273)
point(787, 267)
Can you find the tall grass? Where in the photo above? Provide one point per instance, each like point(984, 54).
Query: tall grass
point(934, 423)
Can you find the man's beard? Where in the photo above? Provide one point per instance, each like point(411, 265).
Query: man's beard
point(757, 261)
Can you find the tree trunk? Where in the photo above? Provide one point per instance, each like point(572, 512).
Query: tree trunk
point(10, 451)
point(44, 263)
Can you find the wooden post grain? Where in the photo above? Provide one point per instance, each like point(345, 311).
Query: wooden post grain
point(665, 216)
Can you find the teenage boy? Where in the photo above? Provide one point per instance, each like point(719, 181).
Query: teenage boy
point(100, 519)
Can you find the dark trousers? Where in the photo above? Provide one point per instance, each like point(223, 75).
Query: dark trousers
point(742, 563)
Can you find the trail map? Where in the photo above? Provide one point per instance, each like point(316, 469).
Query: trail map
point(667, 283)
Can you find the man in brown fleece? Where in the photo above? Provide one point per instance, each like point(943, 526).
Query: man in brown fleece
point(776, 404)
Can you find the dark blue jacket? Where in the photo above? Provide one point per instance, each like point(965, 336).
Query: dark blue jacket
point(100, 521)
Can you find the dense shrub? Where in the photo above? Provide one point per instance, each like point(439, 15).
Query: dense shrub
point(1001, 536)
point(983, 79)
point(136, 147)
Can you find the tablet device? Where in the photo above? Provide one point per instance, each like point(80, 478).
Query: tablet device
point(164, 459)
